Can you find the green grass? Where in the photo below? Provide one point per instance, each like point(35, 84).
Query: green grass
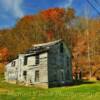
point(79, 92)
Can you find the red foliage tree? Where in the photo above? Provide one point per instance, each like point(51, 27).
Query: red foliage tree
point(50, 35)
point(53, 14)
point(4, 53)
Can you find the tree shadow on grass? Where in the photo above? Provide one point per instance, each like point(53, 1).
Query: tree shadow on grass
point(80, 82)
point(74, 83)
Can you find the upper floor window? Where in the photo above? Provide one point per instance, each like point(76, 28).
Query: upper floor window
point(13, 63)
point(37, 59)
point(68, 61)
point(61, 48)
point(31, 60)
point(25, 60)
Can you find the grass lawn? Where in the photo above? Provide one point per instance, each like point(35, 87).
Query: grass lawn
point(80, 92)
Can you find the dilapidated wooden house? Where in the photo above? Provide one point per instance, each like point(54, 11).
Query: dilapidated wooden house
point(47, 65)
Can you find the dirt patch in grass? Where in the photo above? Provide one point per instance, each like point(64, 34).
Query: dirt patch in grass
point(3, 90)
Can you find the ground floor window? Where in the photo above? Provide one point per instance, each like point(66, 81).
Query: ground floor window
point(61, 75)
point(37, 76)
point(25, 74)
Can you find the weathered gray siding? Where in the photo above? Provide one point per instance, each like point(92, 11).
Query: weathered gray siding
point(58, 71)
point(11, 71)
point(53, 68)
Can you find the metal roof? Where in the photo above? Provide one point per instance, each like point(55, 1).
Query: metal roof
point(37, 48)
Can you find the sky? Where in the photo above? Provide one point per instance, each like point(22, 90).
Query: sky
point(12, 10)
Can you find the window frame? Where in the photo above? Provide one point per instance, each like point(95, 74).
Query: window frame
point(61, 48)
point(13, 63)
point(37, 76)
point(37, 59)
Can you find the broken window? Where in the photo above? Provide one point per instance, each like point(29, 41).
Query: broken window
point(37, 76)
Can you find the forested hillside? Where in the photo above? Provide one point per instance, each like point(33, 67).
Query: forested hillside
point(80, 34)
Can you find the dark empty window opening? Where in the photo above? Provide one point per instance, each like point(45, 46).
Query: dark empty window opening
point(37, 59)
point(37, 76)
point(13, 63)
point(25, 74)
point(61, 48)
point(68, 74)
point(25, 60)
point(68, 61)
